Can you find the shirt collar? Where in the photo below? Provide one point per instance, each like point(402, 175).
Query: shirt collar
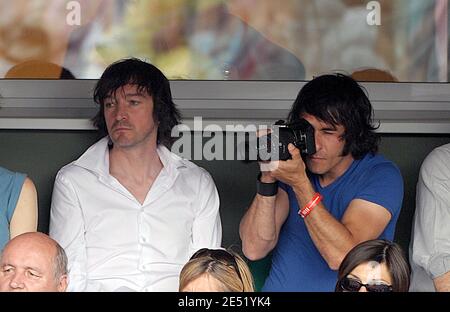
point(96, 159)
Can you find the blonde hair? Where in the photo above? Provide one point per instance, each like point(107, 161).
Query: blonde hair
point(227, 267)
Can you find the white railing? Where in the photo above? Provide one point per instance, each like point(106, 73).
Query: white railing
point(68, 104)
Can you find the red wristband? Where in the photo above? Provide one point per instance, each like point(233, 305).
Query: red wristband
point(310, 206)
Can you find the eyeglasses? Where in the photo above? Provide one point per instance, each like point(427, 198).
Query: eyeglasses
point(353, 285)
point(219, 255)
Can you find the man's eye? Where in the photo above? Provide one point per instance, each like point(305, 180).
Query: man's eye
point(134, 103)
point(33, 274)
point(7, 270)
point(108, 105)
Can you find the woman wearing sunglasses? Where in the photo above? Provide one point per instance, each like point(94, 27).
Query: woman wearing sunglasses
point(216, 270)
point(374, 266)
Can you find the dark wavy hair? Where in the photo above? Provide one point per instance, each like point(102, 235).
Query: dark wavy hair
point(146, 77)
point(381, 251)
point(339, 100)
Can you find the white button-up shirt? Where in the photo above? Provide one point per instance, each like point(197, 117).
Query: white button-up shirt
point(430, 242)
point(114, 243)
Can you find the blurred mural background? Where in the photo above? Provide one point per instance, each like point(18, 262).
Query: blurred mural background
point(231, 40)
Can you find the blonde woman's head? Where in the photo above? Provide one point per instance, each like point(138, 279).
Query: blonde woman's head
point(216, 270)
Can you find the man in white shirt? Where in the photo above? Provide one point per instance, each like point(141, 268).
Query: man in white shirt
point(430, 241)
point(129, 212)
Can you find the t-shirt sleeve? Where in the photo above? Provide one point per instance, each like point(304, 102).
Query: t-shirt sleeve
point(383, 185)
point(283, 186)
point(16, 187)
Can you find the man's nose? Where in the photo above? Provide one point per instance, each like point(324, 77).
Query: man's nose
point(317, 140)
point(17, 282)
point(121, 111)
point(363, 289)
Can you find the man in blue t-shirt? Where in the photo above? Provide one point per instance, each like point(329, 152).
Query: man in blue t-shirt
point(312, 211)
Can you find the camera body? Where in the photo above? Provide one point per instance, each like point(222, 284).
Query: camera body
point(274, 146)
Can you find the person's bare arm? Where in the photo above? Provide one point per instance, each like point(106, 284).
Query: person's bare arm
point(333, 238)
point(261, 224)
point(442, 283)
point(24, 218)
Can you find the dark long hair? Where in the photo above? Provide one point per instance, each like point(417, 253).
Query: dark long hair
point(146, 77)
point(381, 251)
point(339, 100)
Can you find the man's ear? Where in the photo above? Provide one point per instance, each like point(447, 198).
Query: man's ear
point(62, 283)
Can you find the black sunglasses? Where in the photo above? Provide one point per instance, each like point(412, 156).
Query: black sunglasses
point(353, 285)
point(220, 255)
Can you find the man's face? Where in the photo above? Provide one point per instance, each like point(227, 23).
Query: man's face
point(27, 266)
point(328, 159)
point(129, 117)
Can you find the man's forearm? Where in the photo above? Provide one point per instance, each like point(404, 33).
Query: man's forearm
point(332, 238)
point(258, 227)
point(265, 225)
point(442, 283)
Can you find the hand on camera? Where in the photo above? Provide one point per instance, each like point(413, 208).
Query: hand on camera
point(291, 171)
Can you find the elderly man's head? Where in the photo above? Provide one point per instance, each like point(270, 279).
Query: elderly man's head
point(33, 262)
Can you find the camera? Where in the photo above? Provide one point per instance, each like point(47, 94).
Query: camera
point(274, 145)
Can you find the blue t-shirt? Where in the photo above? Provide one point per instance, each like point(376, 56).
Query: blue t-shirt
point(296, 263)
point(10, 186)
